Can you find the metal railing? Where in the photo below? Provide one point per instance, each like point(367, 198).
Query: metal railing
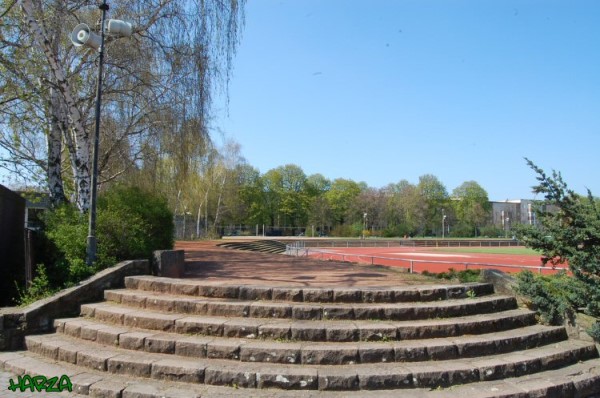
point(298, 249)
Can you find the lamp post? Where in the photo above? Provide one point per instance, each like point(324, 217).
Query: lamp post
point(443, 226)
point(364, 225)
point(83, 36)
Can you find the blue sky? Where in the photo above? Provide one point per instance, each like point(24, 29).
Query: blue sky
point(379, 91)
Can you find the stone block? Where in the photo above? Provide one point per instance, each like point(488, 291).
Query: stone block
point(133, 340)
point(376, 353)
point(377, 332)
point(223, 349)
point(200, 325)
point(307, 312)
point(184, 288)
point(229, 376)
point(329, 354)
point(338, 311)
point(347, 295)
point(343, 332)
point(288, 378)
point(337, 380)
point(178, 370)
point(219, 291)
point(317, 295)
point(270, 310)
point(308, 331)
point(375, 295)
point(372, 378)
point(161, 343)
point(169, 263)
point(255, 293)
point(130, 365)
point(271, 352)
point(287, 294)
point(275, 330)
point(93, 359)
point(194, 346)
point(246, 328)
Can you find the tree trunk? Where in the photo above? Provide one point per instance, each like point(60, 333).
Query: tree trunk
point(80, 152)
point(218, 211)
point(54, 148)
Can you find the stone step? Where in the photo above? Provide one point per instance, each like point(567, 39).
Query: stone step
point(576, 380)
point(429, 374)
point(308, 330)
point(390, 294)
point(313, 311)
point(250, 350)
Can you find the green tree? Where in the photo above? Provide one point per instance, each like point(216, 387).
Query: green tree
point(319, 213)
point(568, 230)
point(341, 197)
point(47, 87)
point(434, 199)
point(471, 205)
point(402, 208)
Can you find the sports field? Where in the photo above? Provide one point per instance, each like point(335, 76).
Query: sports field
point(432, 259)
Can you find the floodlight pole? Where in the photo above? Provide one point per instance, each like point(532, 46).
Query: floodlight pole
point(91, 239)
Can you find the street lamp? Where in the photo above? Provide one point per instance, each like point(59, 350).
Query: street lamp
point(443, 226)
point(364, 224)
point(83, 36)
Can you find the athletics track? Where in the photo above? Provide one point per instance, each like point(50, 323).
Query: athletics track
point(431, 260)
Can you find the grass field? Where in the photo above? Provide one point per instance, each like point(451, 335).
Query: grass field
point(518, 250)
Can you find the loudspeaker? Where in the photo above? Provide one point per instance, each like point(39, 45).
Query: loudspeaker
point(83, 36)
point(116, 27)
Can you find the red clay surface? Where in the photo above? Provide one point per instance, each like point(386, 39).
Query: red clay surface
point(212, 264)
point(434, 260)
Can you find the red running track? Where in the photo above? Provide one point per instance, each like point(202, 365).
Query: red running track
point(434, 260)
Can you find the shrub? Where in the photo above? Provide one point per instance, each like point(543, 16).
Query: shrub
point(568, 231)
point(554, 297)
point(464, 276)
point(39, 288)
point(131, 224)
point(462, 230)
point(491, 231)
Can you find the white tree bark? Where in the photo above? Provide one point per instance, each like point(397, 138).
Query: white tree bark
point(80, 151)
point(54, 148)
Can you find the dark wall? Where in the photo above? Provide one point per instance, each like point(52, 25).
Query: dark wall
point(12, 238)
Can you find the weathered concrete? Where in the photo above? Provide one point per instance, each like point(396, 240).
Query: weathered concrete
point(168, 263)
point(17, 322)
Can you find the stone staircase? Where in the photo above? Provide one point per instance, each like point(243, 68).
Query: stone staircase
point(162, 337)
point(263, 246)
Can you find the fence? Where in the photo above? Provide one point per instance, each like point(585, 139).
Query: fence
point(409, 243)
point(298, 249)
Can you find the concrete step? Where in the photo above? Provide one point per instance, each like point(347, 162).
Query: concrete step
point(390, 294)
point(313, 311)
point(428, 374)
point(576, 380)
point(315, 353)
point(308, 330)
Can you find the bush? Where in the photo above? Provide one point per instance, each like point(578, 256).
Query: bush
point(491, 231)
point(594, 331)
point(462, 230)
point(464, 276)
point(554, 297)
point(39, 288)
point(131, 224)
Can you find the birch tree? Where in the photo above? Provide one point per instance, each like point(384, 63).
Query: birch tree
point(180, 54)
